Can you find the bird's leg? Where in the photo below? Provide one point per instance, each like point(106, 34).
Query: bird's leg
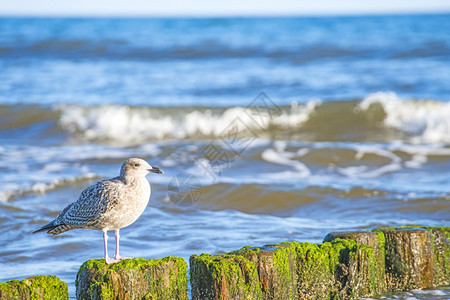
point(108, 259)
point(117, 256)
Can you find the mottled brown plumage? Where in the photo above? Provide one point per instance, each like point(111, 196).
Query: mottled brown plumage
point(109, 204)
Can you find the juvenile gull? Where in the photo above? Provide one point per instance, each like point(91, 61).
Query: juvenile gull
point(109, 204)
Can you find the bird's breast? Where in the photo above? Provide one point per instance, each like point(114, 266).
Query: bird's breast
point(135, 197)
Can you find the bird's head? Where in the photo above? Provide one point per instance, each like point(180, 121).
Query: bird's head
point(138, 167)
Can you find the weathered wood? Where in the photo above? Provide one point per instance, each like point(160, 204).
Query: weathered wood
point(374, 239)
point(354, 268)
point(347, 265)
point(39, 287)
point(441, 251)
point(223, 277)
point(277, 269)
point(409, 258)
point(133, 279)
point(440, 244)
point(341, 268)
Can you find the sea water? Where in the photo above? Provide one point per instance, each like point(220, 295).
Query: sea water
point(267, 129)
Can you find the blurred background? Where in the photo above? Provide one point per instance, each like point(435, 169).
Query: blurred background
point(272, 123)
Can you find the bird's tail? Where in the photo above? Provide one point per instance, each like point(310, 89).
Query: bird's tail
point(47, 227)
point(53, 228)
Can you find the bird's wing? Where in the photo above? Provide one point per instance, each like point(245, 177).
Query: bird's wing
point(93, 202)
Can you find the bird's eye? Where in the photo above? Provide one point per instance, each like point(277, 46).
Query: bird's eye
point(136, 165)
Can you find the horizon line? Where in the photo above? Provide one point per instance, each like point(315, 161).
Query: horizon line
point(222, 15)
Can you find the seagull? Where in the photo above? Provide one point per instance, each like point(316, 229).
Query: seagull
point(108, 204)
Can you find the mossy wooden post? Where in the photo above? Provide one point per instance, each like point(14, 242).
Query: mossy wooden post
point(315, 273)
point(374, 239)
point(223, 277)
point(277, 269)
point(440, 246)
point(409, 258)
point(39, 287)
point(340, 269)
point(138, 278)
point(441, 251)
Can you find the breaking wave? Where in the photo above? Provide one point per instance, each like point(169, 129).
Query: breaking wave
point(426, 121)
point(379, 117)
point(17, 190)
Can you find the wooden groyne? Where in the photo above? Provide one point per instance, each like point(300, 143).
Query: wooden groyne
point(347, 265)
point(35, 287)
point(138, 278)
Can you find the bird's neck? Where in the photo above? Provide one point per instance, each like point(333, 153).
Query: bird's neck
point(133, 180)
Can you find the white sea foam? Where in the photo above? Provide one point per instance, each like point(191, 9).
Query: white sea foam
point(429, 292)
point(283, 158)
point(362, 149)
point(38, 170)
point(436, 149)
point(133, 125)
point(366, 172)
point(14, 190)
point(427, 121)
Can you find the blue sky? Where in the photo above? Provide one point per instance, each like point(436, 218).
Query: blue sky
point(217, 8)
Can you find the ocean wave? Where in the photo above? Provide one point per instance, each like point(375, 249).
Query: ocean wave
point(116, 49)
point(427, 121)
point(17, 190)
point(379, 117)
point(137, 124)
point(216, 48)
point(259, 198)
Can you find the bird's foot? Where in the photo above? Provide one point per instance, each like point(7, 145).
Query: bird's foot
point(110, 260)
point(118, 257)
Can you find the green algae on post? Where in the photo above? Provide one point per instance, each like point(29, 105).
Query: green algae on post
point(36, 287)
point(314, 273)
point(138, 278)
point(351, 267)
point(339, 269)
point(276, 266)
point(223, 277)
point(373, 239)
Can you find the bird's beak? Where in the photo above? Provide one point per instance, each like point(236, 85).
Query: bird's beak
point(156, 170)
